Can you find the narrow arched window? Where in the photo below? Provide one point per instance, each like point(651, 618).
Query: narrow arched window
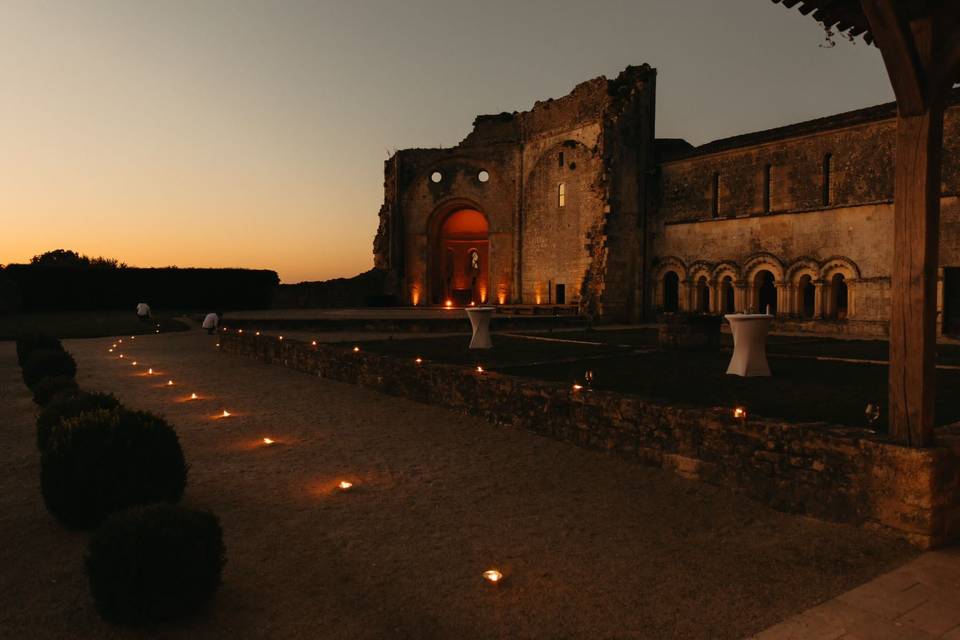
point(825, 195)
point(715, 195)
point(561, 195)
point(766, 188)
point(561, 159)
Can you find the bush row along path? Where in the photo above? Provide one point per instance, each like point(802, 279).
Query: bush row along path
point(591, 546)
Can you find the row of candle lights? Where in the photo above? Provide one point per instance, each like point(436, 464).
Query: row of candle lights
point(343, 485)
point(492, 576)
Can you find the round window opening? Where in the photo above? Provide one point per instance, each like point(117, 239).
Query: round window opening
point(483, 176)
point(436, 176)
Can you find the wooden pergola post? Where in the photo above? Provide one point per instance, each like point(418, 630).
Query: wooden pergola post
point(922, 64)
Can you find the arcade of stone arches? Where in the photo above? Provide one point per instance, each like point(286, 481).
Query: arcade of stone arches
point(806, 288)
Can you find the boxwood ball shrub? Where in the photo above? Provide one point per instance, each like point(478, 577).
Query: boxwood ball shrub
point(31, 342)
point(155, 563)
point(107, 460)
point(47, 363)
point(69, 405)
point(47, 389)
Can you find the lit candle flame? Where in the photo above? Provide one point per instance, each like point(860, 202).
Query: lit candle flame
point(281, 337)
point(344, 485)
point(740, 413)
point(479, 369)
point(356, 349)
point(577, 387)
point(268, 441)
point(110, 350)
point(419, 360)
point(226, 414)
point(313, 343)
point(257, 333)
point(448, 303)
point(193, 396)
point(493, 575)
point(121, 355)
point(150, 371)
point(134, 363)
point(239, 330)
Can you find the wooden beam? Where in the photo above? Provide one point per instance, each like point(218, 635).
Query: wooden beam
point(916, 240)
point(896, 43)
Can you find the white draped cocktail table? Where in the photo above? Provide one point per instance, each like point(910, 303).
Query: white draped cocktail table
point(480, 321)
point(749, 344)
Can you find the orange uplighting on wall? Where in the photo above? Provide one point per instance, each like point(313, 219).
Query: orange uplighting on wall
point(415, 295)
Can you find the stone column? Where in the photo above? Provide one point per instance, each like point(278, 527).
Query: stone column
point(783, 298)
point(819, 292)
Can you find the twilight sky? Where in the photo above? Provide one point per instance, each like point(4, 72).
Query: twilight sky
point(253, 133)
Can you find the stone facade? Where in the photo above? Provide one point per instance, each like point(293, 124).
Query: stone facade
point(828, 472)
point(797, 218)
point(557, 186)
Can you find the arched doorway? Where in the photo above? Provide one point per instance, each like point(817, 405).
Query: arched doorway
point(807, 296)
point(671, 292)
point(703, 295)
point(727, 299)
point(838, 297)
point(461, 259)
point(766, 292)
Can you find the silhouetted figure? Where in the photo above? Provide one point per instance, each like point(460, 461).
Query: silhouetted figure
point(143, 311)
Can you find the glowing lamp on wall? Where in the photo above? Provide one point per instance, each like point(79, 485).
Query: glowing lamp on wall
point(492, 576)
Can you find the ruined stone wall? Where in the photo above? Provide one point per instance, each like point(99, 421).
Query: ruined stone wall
point(535, 244)
point(832, 473)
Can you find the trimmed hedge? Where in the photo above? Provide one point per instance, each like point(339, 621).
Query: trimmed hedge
point(69, 406)
point(27, 344)
point(47, 363)
point(156, 563)
point(103, 461)
point(46, 389)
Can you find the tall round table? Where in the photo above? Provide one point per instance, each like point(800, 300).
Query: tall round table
point(749, 344)
point(480, 321)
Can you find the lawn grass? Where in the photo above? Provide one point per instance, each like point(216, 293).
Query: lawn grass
point(86, 324)
point(801, 389)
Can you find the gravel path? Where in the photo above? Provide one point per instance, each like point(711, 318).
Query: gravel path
point(591, 546)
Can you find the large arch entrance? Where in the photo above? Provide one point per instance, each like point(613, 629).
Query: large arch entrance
point(461, 260)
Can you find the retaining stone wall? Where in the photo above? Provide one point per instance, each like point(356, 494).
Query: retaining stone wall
point(828, 472)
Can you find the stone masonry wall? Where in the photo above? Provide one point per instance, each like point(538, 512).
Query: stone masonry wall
point(831, 473)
